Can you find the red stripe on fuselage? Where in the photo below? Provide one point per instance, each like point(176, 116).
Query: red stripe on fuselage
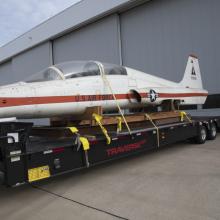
point(19, 101)
point(181, 95)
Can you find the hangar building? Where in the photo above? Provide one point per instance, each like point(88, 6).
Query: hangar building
point(154, 36)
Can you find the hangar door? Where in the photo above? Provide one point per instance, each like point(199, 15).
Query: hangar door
point(32, 61)
point(6, 73)
point(96, 41)
point(158, 36)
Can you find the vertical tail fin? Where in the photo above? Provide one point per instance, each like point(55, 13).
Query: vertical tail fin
point(192, 77)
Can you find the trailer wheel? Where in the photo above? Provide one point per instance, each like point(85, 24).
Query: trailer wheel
point(202, 135)
point(212, 132)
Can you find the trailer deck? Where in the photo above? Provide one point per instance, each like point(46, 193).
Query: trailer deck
point(29, 154)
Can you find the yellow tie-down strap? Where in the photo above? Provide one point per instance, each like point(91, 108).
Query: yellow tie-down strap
point(119, 126)
point(158, 134)
point(85, 143)
point(98, 119)
point(74, 130)
point(184, 115)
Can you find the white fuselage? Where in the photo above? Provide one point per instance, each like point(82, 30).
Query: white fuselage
point(73, 96)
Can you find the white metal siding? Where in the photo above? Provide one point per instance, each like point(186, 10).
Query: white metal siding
point(6, 73)
point(31, 61)
point(97, 41)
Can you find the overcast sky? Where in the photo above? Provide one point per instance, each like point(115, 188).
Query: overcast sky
point(19, 16)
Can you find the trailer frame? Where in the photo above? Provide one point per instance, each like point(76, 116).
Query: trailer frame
point(26, 159)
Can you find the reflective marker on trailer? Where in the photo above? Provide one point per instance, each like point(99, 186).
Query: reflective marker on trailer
point(58, 150)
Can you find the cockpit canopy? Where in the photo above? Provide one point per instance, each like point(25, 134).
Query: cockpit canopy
point(76, 69)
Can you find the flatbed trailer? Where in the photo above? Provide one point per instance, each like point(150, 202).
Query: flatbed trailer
point(29, 154)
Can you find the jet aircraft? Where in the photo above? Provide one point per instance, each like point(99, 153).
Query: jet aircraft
point(70, 88)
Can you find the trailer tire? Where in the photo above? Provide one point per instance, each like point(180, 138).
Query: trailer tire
point(212, 132)
point(202, 135)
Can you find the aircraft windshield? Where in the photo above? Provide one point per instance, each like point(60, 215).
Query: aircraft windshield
point(76, 69)
point(48, 74)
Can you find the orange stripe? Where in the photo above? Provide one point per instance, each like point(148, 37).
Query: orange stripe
point(179, 95)
point(19, 101)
